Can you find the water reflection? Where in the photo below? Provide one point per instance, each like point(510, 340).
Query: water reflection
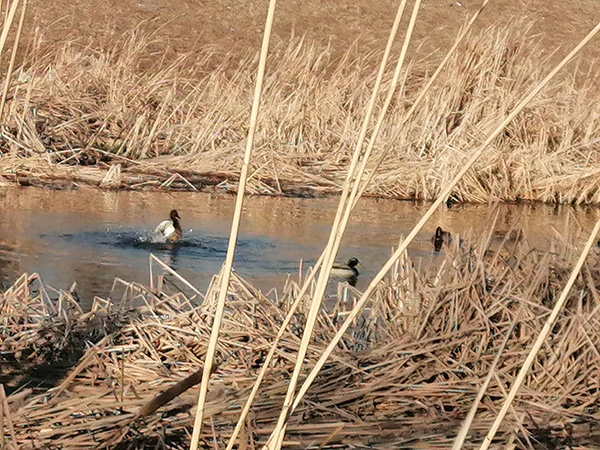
point(93, 236)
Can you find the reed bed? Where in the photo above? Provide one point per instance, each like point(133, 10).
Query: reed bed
point(404, 376)
point(73, 115)
point(43, 331)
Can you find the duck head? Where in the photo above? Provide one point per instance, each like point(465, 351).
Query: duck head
point(353, 262)
point(174, 215)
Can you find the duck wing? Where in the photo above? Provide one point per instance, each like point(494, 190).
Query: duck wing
point(165, 228)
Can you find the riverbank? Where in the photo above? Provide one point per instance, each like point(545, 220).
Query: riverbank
point(88, 116)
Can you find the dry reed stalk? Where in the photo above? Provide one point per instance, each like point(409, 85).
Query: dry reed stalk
point(366, 295)
point(7, 23)
point(12, 59)
point(9, 424)
point(464, 430)
point(330, 250)
point(226, 272)
point(352, 200)
point(542, 336)
point(154, 259)
point(417, 102)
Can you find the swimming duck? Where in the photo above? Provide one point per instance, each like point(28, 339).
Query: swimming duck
point(169, 230)
point(347, 271)
point(440, 237)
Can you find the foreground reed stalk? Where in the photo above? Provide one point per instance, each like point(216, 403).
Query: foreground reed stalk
point(338, 233)
point(231, 246)
point(13, 56)
point(388, 265)
point(353, 199)
point(329, 253)
point(7, 24)
point(541, 338)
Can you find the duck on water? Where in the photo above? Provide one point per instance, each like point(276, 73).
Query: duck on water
point(169, 231)
point(440, 238)
point(348, 271)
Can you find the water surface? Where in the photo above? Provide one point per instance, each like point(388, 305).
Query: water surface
point(93, 236)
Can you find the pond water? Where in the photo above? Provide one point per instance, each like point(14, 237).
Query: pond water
point(93, 236)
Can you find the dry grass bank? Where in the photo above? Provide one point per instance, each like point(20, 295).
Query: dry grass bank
point(405, 377)
point(80, 106)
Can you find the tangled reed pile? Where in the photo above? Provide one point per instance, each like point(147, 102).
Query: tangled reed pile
point(107, 117)
point(405, 377)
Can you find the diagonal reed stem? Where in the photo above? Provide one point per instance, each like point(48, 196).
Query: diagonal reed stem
point(13, 56)
point(541, 338)
point(231, 246)
point(337, 229)
point(311, 276)
point(7, 23)
point(317, 265)
point(349, 206)
point(445, 192)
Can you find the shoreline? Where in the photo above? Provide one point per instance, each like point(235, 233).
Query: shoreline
point(164, 179)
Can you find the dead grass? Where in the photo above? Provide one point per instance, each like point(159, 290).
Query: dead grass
point(86, 106)
point(404, 376)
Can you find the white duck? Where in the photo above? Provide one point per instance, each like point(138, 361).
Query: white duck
point(169, 230)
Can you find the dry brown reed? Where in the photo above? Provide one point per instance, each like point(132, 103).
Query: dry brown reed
point(82, 106)
point(42, 331)
point(235, 225)
point(404, 376)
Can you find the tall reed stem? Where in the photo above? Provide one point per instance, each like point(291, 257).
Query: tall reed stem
point(276, 438)
point(231, 246)
point(13, 56)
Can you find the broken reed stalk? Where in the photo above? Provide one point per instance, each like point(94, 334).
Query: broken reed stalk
point(7, 23)
point(420, 97)
point(541, 338)
point(329, 253)
point(226, 272)
point(173, 392)
point(6, 409)
point(172, 272)
point(387, 266)
point(460, 438)
point(13, 56)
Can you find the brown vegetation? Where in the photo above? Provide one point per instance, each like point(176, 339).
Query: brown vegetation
point(88, 107)
point(405, 375)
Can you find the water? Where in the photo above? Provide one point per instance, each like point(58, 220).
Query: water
point(93, 236)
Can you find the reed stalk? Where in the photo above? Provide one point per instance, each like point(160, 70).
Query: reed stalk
point(329, 252)
point(231, 246)
point(542, 336)
point(446, 191)
point(13, 56)
point(7, 24)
